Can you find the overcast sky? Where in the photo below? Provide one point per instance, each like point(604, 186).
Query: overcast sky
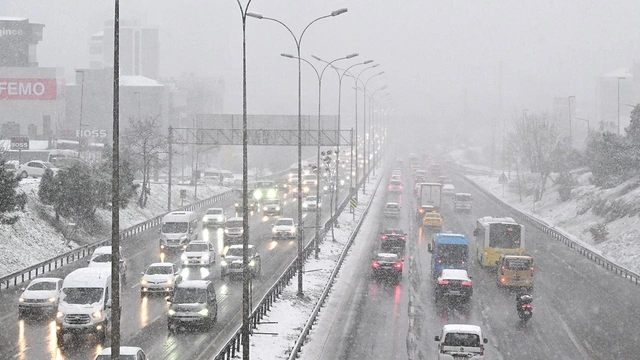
point(431, 51)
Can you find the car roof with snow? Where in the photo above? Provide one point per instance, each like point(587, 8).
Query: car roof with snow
point(454, 274)
point(462, 328)
point(448, 187)
point(160, 264)
point(239, 246)
point(44, 279)
point(199, 284)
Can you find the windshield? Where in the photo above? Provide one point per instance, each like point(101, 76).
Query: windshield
point(271, 202)
point(159, 270)
point(517, 264)
point(174, 228)
point(392, 206)
point(102, 258)
point(234, 252)
point(463, 197)
point(504, 236)
point(48, 165)
point(284, 222)
point(451, 253)
point(190, 296)
point(227, 176)
point(310, 199)
point(196, 248)
point(233, 224)
point(45, 285)
point(462, 339)
point(214, 212)
point(82, 295)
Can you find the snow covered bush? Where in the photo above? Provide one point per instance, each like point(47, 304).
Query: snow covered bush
point(599, 232)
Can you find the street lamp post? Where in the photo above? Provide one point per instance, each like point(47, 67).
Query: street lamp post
point(588, 124)
point(298, 41)
point(320, 76)
point(373, 147)
point(570, 132)
point(365, 142)
point(619, 78)
point(246, 300)
point(340, 77)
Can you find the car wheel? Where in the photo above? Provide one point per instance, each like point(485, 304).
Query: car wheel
point(142, 294)
point(24, 175)
point(60, 339)
point(102, 335)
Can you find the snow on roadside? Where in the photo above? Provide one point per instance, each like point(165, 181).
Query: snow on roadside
point(290, 313)
point(32, 239)
point(621, 247)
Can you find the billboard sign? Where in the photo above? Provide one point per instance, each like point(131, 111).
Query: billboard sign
point(28, 89)
point(19, 143)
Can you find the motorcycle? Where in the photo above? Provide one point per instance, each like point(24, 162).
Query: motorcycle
point(525, 309)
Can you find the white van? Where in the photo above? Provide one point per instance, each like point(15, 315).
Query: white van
point(178, 229)
point(85, 304)
point(462, 202)
point(219, 177)
point(460, 341)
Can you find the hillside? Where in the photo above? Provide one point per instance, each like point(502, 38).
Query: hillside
point(33, 238)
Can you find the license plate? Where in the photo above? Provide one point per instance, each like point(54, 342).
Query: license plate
point(454, 292)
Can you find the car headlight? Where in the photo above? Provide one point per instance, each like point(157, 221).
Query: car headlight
point(52, 299)
point(277, 208)
point(204, 218)
point(293, 231)
point(59, 314)
point(265, 208)
point(21, 299)
point(205, 257)
point(274, 230)
point(171, 312)
point(169, 281)
point(97, 314)
point(305, 205)
point(144, 282)
point(204, 312)
point(252, 263)
point(183, 257)
point(226, 231)
point(326, 188)
point(223, 263)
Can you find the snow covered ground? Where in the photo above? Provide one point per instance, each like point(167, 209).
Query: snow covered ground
point(32, 239)
point(290, 313)
point(587, 206)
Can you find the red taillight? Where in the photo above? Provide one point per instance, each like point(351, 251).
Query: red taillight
point(485, 252)
point(384, 237)
point(532, 269)
point(462, 262)
point(400, 187)
point(389, 186)
point(466, 283)
point(403, 238)
point(421, 211)
point(439, 261)
point(443, 282)
point(502, 266)
point(481, 350)
point(375, 264)
point(398, 265)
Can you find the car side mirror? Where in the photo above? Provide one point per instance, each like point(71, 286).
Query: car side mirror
point(475, 232)
point(142, 273)
point(429, 248)
point(272, 225)
point(23, 289)
point(168, 299)
point(108, 304)
point(437, 338)
point(88, 261)
point(485, 340)
point(222, 256)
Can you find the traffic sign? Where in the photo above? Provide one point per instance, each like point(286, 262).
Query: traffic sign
point(353, 203)
point(19, 143)
point(503, 179)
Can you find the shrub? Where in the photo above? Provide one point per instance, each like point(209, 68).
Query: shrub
point(599, 232)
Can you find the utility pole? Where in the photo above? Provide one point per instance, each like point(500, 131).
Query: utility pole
point(115, 192)
point(170, 140)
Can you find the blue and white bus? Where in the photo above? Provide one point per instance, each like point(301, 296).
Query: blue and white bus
point(448, 251)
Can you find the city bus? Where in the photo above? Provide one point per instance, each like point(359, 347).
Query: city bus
point(54, 156)
point(497, 236)
point(448, 251)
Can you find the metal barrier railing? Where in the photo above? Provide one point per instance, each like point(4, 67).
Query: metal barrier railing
point(232, 346)
point(555, 233)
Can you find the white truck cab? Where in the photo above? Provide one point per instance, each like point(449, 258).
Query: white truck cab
point(85, 304)
point(178, 229)
point(460, 341)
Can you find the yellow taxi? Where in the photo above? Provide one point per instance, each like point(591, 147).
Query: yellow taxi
point(515, 271)
point(432, 220)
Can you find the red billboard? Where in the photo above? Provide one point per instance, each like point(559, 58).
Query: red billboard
point(28, 89)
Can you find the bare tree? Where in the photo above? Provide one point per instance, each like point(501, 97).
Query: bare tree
point(145, 142)
point(535, 140)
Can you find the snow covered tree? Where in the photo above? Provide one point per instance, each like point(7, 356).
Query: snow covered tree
point(145, 142)
point(535, 139)
point(48, 190)
point(77, 192)
point(633, 131)
point(104, 175)
point(10, 200)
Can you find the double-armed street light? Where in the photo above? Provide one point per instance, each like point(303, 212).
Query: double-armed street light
point(320, 76)
point(298, 41)
point(364, 130)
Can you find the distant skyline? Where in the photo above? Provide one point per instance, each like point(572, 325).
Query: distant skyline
point(431, 51)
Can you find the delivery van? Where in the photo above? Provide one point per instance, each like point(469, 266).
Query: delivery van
point(515, 271)
point(178, 229)
point(85, 304)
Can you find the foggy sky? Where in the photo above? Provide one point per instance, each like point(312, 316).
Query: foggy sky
point(430, 50)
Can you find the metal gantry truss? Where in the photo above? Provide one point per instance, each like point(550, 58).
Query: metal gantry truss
point(261, 137)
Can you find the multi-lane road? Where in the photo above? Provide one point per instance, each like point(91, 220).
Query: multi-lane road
point(581, 311)
point(144, 319)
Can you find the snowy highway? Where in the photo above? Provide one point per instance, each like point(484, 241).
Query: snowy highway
point(144, 319)
point(581, 311)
